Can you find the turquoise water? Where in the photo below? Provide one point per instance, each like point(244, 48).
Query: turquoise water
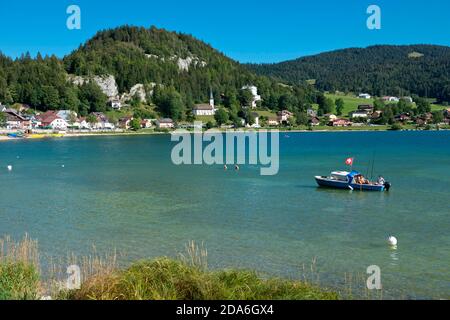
point(125, 193)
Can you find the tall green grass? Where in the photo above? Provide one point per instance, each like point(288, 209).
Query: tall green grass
point(19, 269)
point(167, 279)
point(184, 278)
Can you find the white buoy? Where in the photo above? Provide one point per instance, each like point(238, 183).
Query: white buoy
point(10, 168)
point(63, 166)
point(393, 241)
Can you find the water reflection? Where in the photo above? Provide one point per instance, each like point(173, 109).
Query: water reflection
point(394, 256)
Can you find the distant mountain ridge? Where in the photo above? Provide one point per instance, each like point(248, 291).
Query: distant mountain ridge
point(380, 70)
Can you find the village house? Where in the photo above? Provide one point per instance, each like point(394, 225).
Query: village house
point(205, 109)
point(359, 114)
point(364, 96)
point(102, 122)
point(34, 122)
point(366, 107)
point(50, 119)
point(376, 115)
point(284, 116)
point(15, 120)
point(420, 121)
point(404, 117)
point(125, 122)
point(81, 123)
point(330, 116)
point(115, 104)
point(146, 123)
point(273, 121)
point(424, 119)
point(256, 97)
point(165, 123)
point(390, 99)
point(314, 121)
point(340, 123)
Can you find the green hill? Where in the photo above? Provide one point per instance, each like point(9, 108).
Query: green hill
point(423, 70)
point(184, 68)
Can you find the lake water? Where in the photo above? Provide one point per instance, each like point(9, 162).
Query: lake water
point(125, 193)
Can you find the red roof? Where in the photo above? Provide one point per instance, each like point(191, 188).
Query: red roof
point(49, 118)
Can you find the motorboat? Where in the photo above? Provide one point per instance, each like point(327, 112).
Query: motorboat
point(351, 181)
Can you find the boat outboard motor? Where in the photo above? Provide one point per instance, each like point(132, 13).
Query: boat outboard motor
point(387, 186)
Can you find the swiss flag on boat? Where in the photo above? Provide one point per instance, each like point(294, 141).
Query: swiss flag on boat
point(349, 161)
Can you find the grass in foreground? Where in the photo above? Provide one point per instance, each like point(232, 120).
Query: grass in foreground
point(19, 275)
point(184, 278)
point(166, 279)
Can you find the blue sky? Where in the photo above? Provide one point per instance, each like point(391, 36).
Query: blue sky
point(248, 31)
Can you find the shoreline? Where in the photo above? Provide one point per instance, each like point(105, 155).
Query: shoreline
point(4, 138)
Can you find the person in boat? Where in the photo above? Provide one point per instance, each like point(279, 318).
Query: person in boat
point(359, 179)
point(381, 181)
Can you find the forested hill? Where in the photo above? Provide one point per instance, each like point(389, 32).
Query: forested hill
point(188, 70)
point(139, 55)
point(380, 70)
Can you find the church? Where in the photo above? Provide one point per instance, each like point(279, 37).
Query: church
point(205, 109)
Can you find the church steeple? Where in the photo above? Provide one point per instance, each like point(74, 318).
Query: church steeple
point(211, 99)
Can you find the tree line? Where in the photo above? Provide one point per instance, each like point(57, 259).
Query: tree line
point(423, 70)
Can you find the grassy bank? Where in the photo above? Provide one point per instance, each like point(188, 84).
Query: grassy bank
point(167, 279)
point(184, 278)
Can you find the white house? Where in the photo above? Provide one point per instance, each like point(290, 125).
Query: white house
point(54, 122)
point(254, 91)
point(391, 99)
point(147, 123)
point(273, 121)
point(116, 104)
point(364, 96)
point(330, 116)
point(205, 109)
point(284, 116)
point(359, 114)
point(165, 123)
point(81, 123)
point(102, 122)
